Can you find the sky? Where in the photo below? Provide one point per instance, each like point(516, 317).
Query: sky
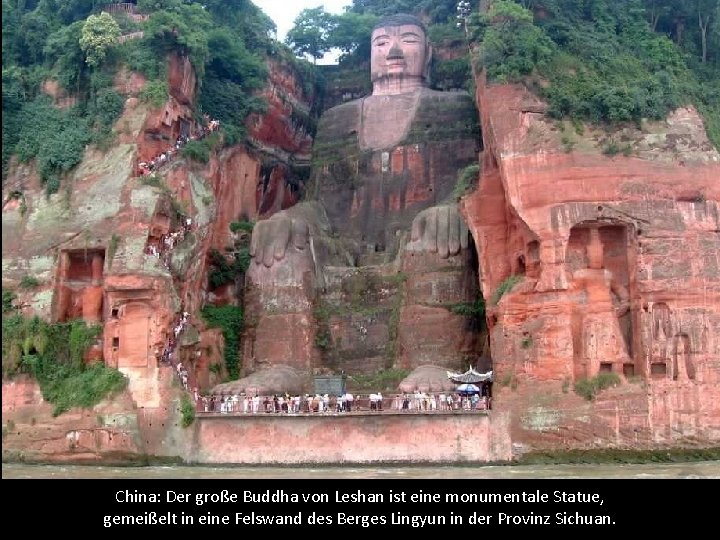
point(284, 12)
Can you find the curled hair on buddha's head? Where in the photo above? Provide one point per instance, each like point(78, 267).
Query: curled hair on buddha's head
point(400, 19)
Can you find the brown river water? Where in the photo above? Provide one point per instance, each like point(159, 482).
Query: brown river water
point(700, 469)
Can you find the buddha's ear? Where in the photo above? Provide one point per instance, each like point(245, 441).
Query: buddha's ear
point(428, 63)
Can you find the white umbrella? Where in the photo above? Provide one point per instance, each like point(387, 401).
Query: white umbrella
point(468, 388)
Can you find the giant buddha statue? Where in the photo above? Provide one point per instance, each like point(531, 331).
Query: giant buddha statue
point(360, 275)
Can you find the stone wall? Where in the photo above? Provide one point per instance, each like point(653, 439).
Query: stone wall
point(542, 416)
point(110, 433)
point(644, 416)
point(406, 438)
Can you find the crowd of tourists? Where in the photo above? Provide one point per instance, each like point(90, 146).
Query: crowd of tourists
point(146, 168)
point(163, 247)
point(168, 355)
point(346, 403)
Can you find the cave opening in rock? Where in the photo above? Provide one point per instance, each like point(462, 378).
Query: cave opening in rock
point(78, 293)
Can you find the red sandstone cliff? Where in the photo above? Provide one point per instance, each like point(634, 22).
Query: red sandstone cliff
point(88, 248)
point(618, 269)
point(618, 258)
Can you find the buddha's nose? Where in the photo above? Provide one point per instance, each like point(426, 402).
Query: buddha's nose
point(395, 53)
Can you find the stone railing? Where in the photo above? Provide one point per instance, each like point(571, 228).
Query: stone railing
point(133, 35)
point(121, 7)
point(128, 9)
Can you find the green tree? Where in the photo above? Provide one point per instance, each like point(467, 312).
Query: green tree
point(714, 38)
point(63, 51)
point(707, 12)
point(310, 33)
point(510, 44)
point(99, 33)
point(350, 32)
point(182, 28)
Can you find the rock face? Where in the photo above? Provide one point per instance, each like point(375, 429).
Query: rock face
point(614, 262)
point(182, 79)
point(588, 263)
point(89, 248)
point(284, 136)
point(30, 432)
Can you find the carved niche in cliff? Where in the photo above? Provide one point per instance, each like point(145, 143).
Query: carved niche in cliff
point(668, 348)
point(79, 292)
point(130, 340)
point(598, 260)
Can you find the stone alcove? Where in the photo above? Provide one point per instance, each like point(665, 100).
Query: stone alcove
point(79, 293)
point(599, 258)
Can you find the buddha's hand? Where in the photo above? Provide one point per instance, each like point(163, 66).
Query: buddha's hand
point(272, 238)
point(441, 230)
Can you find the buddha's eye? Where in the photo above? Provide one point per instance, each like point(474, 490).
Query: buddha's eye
point(381, 43)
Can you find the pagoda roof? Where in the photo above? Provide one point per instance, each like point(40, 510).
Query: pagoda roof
point(470, 376)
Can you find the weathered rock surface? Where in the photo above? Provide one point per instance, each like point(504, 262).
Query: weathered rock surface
point(278, 379)
point(427, 378)
point(88, 248)
point(616, 261)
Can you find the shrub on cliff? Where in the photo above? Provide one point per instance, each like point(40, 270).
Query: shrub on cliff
point(53, 354)
point(510, 46)
point(76, 45)
point(230, 320)
point(466, 181)
point(589, 388)
point(505, 287)
point(187, 411)
point(604, 61)
point(75, 386)
point(155, 93)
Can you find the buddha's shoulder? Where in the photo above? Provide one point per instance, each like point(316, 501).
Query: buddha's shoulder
point(344, 111)
point(340, 121)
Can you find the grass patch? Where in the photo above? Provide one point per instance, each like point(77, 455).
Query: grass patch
point(467, 309)
point(386, 380)
point(112, 248)
point(505, 287)
point(201, 149)
point(74, 386)
point(466, 181)
point(589, 388)
point(29, 282)
point(246, 226)
point(155, 93)
point(54, 355)
point(8, 297)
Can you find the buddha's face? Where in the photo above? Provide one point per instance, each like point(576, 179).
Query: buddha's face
point(399, 52)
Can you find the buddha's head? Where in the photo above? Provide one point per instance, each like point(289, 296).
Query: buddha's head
point(401, 54)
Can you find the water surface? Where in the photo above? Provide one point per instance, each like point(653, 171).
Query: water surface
point(700, 469)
